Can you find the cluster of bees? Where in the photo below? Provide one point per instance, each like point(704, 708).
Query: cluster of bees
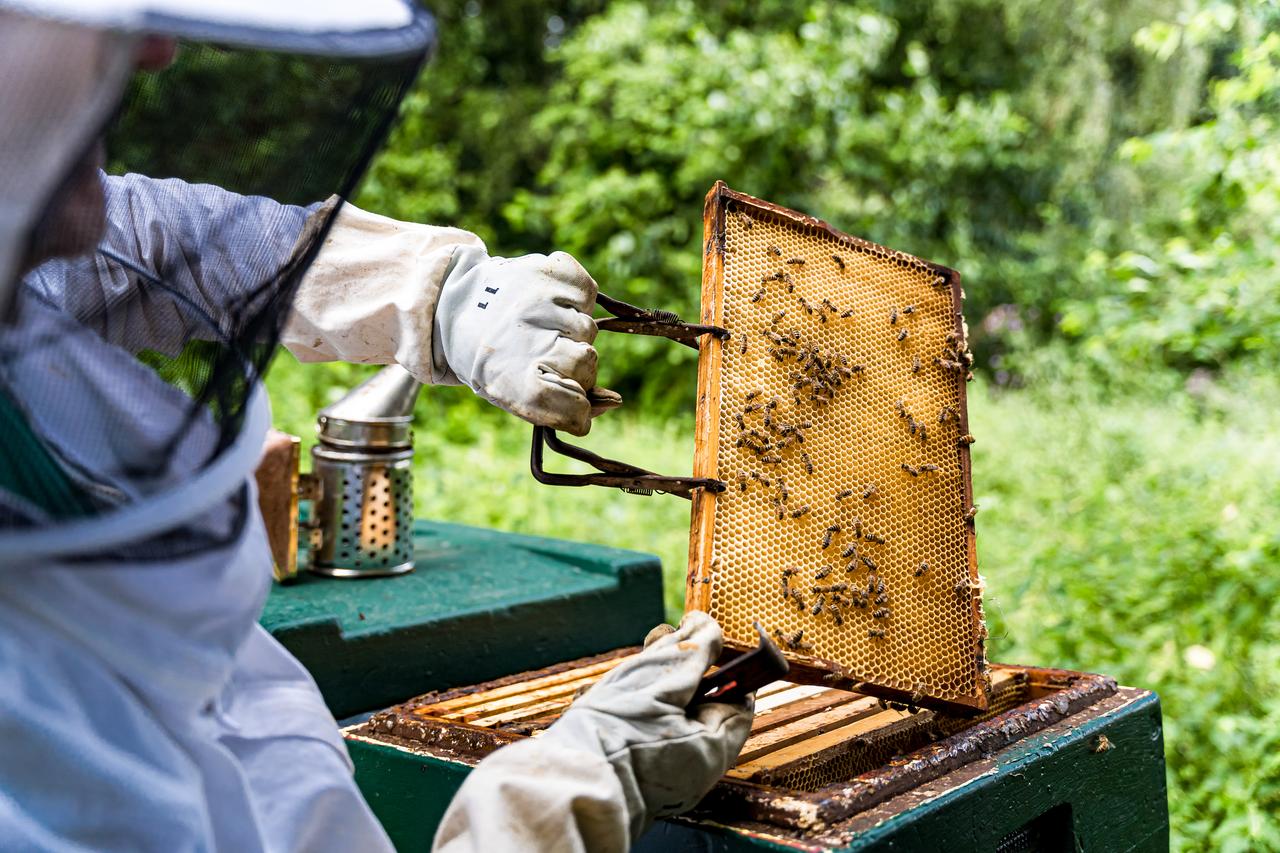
point(835, 590)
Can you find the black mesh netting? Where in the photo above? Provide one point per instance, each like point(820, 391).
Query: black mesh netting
point(130, 368)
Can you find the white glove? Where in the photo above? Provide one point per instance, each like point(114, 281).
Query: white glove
point(516, 331)
point(666, 756)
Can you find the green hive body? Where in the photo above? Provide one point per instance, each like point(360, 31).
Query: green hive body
point(483, 604)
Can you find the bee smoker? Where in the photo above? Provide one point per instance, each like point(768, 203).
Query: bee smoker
point(361, 480)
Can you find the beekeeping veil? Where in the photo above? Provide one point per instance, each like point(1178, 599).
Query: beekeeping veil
point(154, 225)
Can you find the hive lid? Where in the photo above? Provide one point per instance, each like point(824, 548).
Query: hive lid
point(836, 413)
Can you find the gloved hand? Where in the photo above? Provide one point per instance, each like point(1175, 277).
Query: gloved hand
point(518, 332)
point(666, 757)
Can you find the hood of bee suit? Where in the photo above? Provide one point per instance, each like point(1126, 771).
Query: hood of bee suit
point(154, 225)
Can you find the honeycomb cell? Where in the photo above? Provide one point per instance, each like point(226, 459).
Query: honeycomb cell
point(833, 412)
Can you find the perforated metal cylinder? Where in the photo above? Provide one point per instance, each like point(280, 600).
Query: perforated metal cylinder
point(363, 515)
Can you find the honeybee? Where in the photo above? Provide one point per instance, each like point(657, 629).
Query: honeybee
point(817, 607)
point(844, 493)
point(971, 513)
point(742, 345)
point(783, 491)
point(901, 408)
point(799, 511)
point(928, 469)
point(869, 492)
point(777, 318)
point(869, 563)
point(902, 336)
point(850, 552)
point(910, 309)
point(839, 261)
point(914, 472)
point(808, 465)
point(790, 570)
point(772, 404)
point(940, 281)
point(893, 317)
point(924, 567)
point(880, 613)
point(752, 394)
point(823, 572)
point(871, 537)
point(826, 537)
point(966, 439)
point(875, 633)
point(924, 433)
point(830, 306)
point(857, 528)
point(776, 251)
point(771, 459)
point(758, 295)
point(795, 260)
point(746, 221)
point(915, 364)
point(953, 337)
point(846, 314)
point(742, 482)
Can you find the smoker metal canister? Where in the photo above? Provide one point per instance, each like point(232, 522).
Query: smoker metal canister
point(362, 512)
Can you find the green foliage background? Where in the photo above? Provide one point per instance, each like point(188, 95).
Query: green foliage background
point(1103, 174)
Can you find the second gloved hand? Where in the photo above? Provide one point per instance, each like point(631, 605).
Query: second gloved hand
point(518, 332)
point(665, 755)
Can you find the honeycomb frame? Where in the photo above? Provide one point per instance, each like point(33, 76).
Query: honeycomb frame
point(868, 363)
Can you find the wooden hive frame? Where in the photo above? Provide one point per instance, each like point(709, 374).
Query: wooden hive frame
point(712, 584)
point(816, 755)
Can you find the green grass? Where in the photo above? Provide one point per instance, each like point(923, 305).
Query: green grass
point(1136, 537)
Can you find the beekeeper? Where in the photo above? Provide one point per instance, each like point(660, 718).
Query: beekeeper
point(143, 707)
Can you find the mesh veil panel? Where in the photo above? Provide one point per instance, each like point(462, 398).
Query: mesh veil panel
point(133, 365)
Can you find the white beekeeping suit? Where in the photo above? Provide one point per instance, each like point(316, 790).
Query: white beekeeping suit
point(144, 709)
